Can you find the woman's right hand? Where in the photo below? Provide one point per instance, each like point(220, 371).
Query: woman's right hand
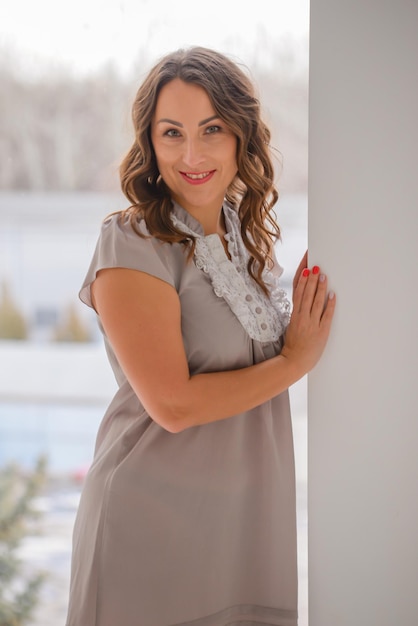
point(310, 322)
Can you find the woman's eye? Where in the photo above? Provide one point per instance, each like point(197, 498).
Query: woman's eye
point(172, 132)
point(213, 129)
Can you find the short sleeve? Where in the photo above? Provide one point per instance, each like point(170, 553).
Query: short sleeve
point(119, 245)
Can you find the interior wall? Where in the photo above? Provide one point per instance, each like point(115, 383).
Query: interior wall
point(363, 395)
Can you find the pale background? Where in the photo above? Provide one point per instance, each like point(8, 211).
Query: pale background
point(52, 396)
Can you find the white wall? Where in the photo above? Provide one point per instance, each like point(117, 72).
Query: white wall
point(363, 231)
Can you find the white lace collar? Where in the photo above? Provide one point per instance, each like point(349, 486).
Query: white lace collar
point(265, 319)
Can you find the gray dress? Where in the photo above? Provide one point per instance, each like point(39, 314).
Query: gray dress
point(196, 528)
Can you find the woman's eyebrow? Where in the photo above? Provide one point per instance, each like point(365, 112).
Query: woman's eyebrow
point(174, 123)
point(165, 119)
point(208, 119)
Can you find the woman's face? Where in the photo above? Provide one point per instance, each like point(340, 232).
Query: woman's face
point(194, 148)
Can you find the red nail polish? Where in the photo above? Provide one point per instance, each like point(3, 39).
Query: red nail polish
point(305, 272)
point(315, 269)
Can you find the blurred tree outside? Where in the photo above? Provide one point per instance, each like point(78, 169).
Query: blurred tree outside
point(60, 132)
point(71, 328)
point(63, 132)
point(18, 592)
point(12, 322)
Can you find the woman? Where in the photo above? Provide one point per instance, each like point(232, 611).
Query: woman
point(188, 511)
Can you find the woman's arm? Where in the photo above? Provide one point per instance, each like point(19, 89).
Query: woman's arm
point(142, 319)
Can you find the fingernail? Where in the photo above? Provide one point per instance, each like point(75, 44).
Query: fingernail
point(315, 269)
point(331, 295)
point(321, 278)
point(305, 272)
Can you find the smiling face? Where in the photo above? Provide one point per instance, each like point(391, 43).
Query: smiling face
point(195, 150)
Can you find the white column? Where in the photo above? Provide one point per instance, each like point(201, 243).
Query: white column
point(363, 395)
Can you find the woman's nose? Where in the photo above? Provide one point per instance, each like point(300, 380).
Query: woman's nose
point(193, 152)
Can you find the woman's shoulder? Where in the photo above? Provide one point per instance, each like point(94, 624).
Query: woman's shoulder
point(124, 224)
point(123, 243)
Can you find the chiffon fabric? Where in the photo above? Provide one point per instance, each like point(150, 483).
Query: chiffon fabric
point(196, 528)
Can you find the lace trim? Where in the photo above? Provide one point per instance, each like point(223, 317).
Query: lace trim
point(265, 319)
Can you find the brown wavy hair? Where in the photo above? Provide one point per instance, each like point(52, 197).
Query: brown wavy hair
point(252, 192)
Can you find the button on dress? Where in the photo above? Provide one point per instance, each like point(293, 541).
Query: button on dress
point(196, 528)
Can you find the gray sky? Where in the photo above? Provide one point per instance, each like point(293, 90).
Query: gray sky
point(84, 34)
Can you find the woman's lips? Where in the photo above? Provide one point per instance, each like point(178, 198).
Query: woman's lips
point(197, 178)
